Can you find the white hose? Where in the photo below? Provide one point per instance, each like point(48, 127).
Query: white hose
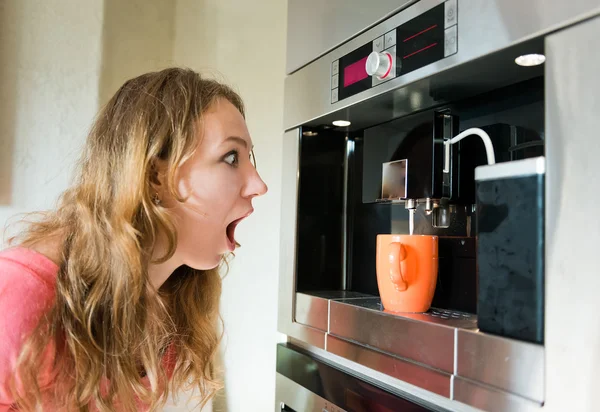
point(487, 142)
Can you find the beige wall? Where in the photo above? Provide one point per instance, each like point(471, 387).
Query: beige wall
point(50, 55)
point(137, 36)
point(60, 60)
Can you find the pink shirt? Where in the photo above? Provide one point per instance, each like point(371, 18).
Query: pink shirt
point(27, 290)
point(27, 286)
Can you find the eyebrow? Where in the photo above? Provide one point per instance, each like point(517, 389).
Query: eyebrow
point(239, 140)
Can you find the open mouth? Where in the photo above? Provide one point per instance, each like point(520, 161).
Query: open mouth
point(230, 231)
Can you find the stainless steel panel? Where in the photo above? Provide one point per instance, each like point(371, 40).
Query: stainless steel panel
point(312, 311)
point(490, 26)
point(289, 393)
point(572, 152)
point(316, 26)
point(287, 252)
point(410, 372)
point(339, 294)
point(346, 226)
point(507, 364)
point(491, 400)
point(287, 249)
point(515, 168)
point(312, 336)
point(572, 330)
point(419, 337)
point(386, 382)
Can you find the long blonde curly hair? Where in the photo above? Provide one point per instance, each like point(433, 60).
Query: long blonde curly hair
point(109, 330)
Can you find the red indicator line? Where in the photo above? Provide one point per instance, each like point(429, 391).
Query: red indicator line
point(419, 33)
point(419, 51)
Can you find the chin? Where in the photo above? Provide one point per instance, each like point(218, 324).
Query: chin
point(204, 264)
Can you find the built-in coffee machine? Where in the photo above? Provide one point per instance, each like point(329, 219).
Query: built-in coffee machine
point(432, 122)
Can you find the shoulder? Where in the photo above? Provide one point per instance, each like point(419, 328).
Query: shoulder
point(25, 272)
point(27, 288)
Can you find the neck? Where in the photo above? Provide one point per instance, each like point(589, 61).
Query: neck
point(158, 273)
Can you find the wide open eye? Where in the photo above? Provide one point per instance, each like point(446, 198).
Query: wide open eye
point(232, 158)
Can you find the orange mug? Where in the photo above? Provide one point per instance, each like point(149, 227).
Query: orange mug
point(407, 268)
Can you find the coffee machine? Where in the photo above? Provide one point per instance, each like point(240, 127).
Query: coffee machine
point(371, 148)
point(430, 200)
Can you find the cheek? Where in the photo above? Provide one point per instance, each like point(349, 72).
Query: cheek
point(204, 212)
point(214, 191)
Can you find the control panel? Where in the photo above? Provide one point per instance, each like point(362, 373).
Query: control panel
point(419, 42)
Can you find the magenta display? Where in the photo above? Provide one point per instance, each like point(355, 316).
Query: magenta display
point(355, 72)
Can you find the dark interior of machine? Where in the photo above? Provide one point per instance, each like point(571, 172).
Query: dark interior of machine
point(512, 115)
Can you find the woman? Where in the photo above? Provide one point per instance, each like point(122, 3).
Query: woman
point(110, 302)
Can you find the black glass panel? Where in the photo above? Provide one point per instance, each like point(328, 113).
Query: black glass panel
point(340, 388)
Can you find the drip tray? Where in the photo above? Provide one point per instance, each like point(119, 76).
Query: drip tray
point(450, 318)
point(435, 348)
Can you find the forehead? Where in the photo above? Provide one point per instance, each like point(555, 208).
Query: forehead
point(221, 121)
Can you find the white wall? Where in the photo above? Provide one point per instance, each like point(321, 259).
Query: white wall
point(50, 56)
point(60, 60)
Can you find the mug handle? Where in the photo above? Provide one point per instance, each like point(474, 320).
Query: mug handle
point(397, 259)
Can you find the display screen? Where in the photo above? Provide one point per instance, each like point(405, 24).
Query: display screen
point(420, 41)
point(355, 72)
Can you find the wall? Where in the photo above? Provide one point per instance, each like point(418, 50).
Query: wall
point(61, 60)
point(50, 55)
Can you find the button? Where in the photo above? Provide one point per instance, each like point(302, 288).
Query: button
point(450, 41)
point(390, 39)
point(379, 64)
point(334, 81)
point(392, 51)
point(334, 95)
point(335, 67)
point(451, 12)
point(378, 44)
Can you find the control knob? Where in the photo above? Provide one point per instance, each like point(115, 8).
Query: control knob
point(379, 64)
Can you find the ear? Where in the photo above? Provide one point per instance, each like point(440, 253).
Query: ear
point(158, 175)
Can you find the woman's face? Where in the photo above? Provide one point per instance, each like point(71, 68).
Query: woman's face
point(219, 183)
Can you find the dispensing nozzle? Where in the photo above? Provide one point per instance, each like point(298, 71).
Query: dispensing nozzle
point(428, 206)
point(411, 206)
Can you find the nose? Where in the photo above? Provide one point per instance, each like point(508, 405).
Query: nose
point(255, 186)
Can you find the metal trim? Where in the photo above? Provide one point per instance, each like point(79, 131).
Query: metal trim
point(312, 311)
point(515, 168)
point(449, 346)
point(507, 364)
point(287, 264)
point(489, 399)
point(419, 375)
point(297, 397)
point(492, 26)
point(410, 336)
point(348, 153)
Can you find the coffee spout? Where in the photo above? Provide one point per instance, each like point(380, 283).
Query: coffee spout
point(411, 206)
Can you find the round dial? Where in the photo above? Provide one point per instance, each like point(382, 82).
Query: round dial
point(379, 64)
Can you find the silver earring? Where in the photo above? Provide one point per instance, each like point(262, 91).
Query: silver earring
point(156, 199)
